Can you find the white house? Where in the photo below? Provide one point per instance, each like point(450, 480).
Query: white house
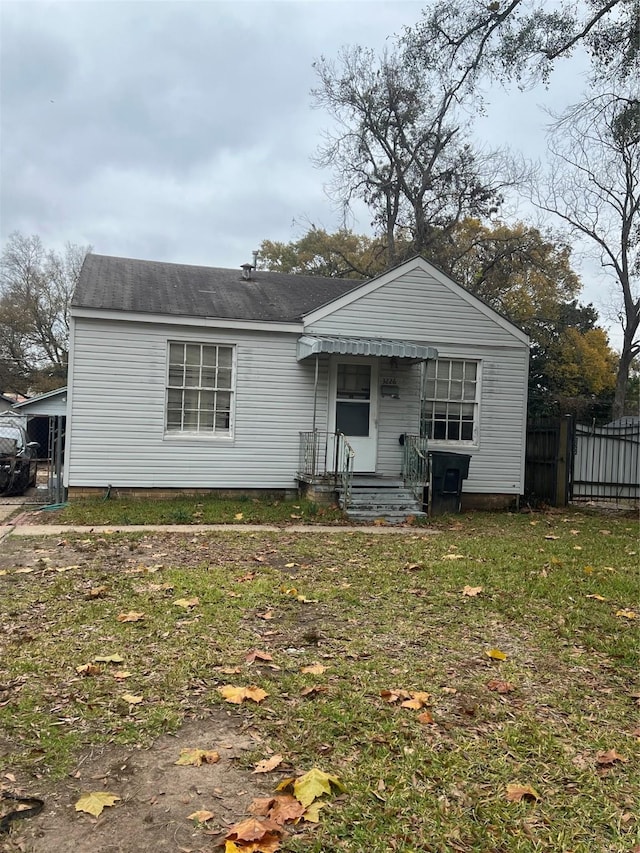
point(197, 378)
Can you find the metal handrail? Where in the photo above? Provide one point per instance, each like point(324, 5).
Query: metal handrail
point(328, 456)
point(415, 464)
point(345, 455)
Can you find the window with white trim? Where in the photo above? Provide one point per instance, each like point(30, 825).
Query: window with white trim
point(450, 405)
point(200, 388)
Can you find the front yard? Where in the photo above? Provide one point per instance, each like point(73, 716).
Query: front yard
point(471, 685)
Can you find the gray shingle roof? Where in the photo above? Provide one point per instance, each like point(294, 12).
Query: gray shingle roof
point(124, 284)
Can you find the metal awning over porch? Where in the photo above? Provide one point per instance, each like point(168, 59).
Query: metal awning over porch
point(314, 345)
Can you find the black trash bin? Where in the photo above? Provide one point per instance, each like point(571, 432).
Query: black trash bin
point(446, 473)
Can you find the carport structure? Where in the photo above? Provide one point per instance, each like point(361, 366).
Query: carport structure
point(46, 417)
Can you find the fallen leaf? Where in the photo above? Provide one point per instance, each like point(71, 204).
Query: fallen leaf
point(202, 816)
point(551, 536)
point(253, 829)
point(26, 570)
point(472, 591)
point(255, 654)
point(425, 718)
point(314, 669)
point(267, 615)
point(132, 698)
point(417, 701)
point(187, 603)
point(239, 516)
point(597, 597)
point(95, 801)
point(88, 669)
point(314, 784)
point(609, 757)
point(121, 674)
point(627, 614)
point(516, 793)
point(454, 557)
point(97, 592)
point(196, 757)
point(285, 809)
point(500, 686)
point(109, 659)
point(131, 616)
point(313, 690)
point(312, 812)
point(237, 695)
point(269, 764)
point(495, 654)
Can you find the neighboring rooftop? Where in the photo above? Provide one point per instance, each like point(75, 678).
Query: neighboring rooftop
point(151, 287)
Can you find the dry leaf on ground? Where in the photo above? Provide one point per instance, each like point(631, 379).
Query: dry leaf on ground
point(131, 616)
point(132, 698)
point(495, 654)
point(237, 695)
point(627, 614)
point(256, 654)
point(201, 816)
point(88, 669)
point(196, 757)
point(95, 801)
point(187, 603)
point(516, 793)
point(269, 764)
point(313, 669)
point(609, 757)
point(472, 591)
point(500, 686)
point(311, 785)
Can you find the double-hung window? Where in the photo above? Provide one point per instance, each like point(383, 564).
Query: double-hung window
point(200, 389)
point(450, 404)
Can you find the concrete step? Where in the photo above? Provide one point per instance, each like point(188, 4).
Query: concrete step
point(390, 517)
point(375, 499)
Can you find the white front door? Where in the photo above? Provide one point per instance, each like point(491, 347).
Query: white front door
point(354, 410)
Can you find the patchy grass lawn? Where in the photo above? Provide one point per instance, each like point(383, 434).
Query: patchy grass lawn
point(190, 510)
point(556, 594)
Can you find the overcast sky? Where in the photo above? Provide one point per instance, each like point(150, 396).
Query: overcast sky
point(183, 131)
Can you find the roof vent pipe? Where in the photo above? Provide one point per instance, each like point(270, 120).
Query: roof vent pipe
point(246, 268)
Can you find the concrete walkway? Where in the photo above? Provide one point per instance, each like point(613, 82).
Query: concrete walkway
point(9, 529)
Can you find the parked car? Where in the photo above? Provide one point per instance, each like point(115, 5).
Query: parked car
point(18, 459)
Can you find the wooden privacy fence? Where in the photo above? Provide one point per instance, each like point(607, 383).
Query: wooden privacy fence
point(579, 462)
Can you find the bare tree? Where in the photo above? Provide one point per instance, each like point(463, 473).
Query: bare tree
point(402, 147)
point(522, 39)
point(36, 287)
point(593, 186)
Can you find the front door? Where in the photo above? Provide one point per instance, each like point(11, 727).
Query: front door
point(355, 409)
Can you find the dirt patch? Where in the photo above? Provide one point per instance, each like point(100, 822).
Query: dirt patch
point(156, 796)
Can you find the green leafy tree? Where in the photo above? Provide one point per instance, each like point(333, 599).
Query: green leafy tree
point(342, 254)
point(36, 286)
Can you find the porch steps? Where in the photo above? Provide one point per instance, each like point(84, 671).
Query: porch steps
point(373, 499)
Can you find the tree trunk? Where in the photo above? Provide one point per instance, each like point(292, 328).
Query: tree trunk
point(622, 380)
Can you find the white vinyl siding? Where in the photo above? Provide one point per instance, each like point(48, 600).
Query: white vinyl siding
point(200, 389)
point(117, 429)
point(418, 307)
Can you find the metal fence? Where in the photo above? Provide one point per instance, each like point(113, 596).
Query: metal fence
point(606, 464)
